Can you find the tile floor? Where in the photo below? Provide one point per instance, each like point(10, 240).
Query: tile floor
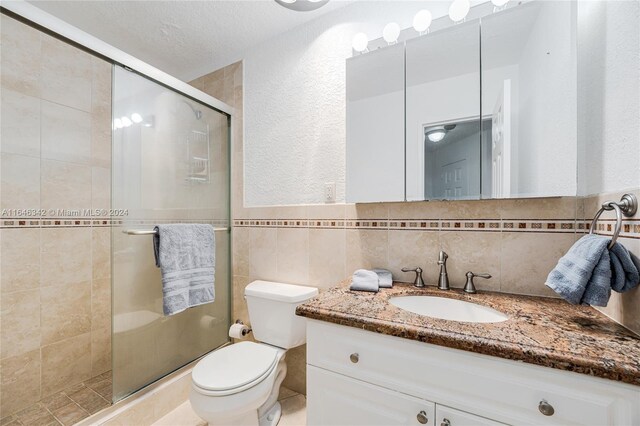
point(294, 412)
point(68, 406)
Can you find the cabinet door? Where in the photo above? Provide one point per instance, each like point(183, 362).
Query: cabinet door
point(334, 399)
point(375, 126)
point(447, 416)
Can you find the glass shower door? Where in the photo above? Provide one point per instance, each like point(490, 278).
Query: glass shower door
point(170, 165)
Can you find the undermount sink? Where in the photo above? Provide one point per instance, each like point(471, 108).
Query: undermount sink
point(448, 309)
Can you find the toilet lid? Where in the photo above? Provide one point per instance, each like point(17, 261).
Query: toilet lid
point(234, 366)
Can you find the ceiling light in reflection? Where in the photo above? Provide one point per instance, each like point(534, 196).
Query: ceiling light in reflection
point(437, 135)
point(117, 123)
point(136, 118)
point(126, 122)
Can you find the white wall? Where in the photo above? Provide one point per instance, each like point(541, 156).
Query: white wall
point(609, 95)
point(294, 129)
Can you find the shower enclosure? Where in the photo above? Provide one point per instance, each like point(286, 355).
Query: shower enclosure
point(170, 164)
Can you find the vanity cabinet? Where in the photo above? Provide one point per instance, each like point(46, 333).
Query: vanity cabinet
point(359, 377)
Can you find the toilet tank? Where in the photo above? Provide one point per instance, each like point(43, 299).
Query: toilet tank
point(272, 312)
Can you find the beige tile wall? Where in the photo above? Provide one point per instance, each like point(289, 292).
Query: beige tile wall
point(519, 262)
point(55, 153)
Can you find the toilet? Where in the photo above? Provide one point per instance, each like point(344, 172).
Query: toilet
point(239, 384)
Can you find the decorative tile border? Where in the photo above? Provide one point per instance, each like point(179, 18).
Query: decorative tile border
point(630, 229)
point(49, 222)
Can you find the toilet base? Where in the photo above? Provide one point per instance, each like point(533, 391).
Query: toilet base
point(271, 417)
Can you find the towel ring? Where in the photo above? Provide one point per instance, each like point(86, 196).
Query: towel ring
point(628, 206)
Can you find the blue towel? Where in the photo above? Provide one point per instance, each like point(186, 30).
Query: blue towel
point(185, 254)
point(385, 279)
point(589, 271)
point(364, 280)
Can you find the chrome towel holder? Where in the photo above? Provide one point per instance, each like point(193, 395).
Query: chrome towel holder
point(628, 206)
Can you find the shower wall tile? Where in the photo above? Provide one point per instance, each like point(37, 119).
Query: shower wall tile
point(19, 382)
point(20, 181)
point(65, 185)
point(21, 57)
point(65, 363)
point(20, 260)
point(66, 74)
point(101, 253)
point(66, 134)
point(100, 350)
point(65, 258)
point(55, 283)
point(20, 327)
point(65, 311)
point(100, 304)
point(20, 124)
point(241, 246)
point(100, 188)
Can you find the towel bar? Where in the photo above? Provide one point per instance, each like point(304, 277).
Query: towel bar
point(151, 231)
point(627, 206)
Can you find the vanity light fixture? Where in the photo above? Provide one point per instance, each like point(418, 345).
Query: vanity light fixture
point(422, 21)
point(459, 10)
point(499, 4)
point(391, 32)
point(117, 123)
point(302, 5)
point(360, 42)
point(126, 121)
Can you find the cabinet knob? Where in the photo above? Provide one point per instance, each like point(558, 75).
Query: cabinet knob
point(422, 417)
point(546, 408)
point(354, 357)
point(445, 422)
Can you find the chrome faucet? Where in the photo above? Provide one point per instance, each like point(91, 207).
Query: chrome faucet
point(443, 281)
point(469, 287)
point(418, 282)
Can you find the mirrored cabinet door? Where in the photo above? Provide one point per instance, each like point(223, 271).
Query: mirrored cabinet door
point(375, 126)
point(529, 101)
point(443, 152)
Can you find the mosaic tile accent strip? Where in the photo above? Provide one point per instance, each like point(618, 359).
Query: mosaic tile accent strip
point(631, 229)
point(48, 222)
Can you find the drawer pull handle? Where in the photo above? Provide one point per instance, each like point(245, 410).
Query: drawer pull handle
point(445, 422)
point(546, 408)
point(354, 358)
point(422, 417)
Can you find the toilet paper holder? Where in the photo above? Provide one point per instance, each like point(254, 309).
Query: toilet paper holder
point(244, 332)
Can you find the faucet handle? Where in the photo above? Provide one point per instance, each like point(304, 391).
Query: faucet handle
point(418, 282)
point(469, 287)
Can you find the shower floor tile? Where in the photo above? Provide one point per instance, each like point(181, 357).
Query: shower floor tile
point(67, 407)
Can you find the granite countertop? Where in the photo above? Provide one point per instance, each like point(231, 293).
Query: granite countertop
point(543, 331)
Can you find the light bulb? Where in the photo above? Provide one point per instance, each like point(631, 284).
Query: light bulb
point(360, 42)
point(459, 10)
point(117, 123)
point(436, 135)
point(136, 118)
point(126, 122)
point(422, 21)
point(499, 3)
point(391, 32)
point(289, 1)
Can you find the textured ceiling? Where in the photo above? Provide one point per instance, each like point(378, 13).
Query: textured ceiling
point(183, 38)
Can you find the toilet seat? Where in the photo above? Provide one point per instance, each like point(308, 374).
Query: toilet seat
point(234, 368)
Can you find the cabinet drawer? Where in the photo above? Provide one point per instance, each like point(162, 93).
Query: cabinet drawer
point(334, 399)
point(491, 387)
point(447, 416)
